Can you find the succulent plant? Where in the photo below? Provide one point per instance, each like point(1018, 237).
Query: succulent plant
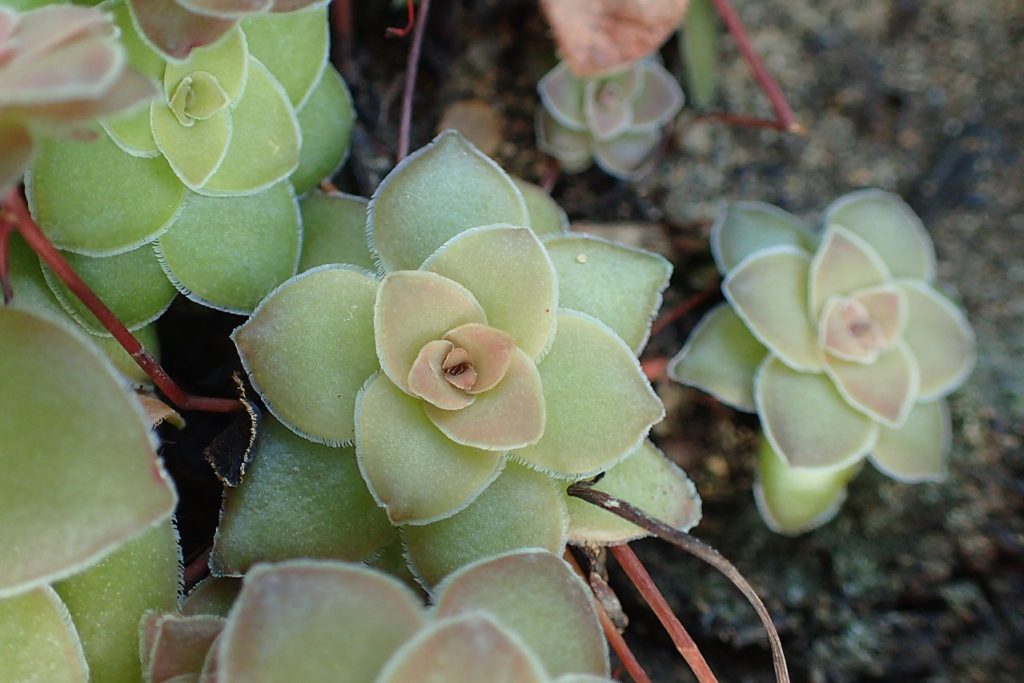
point(60, 67)
point(838, 341)
point(614, 119)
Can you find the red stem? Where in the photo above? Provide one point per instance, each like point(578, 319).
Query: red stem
point(197, 569)
point(741, 121)
point(62, 269)
point(411, 68)
point(637, 573)
point(786, 120)
point(393, 32)
point(681, 309)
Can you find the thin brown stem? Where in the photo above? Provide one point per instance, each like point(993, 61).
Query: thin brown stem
point(341, 19)
point(698, 549)
point(411, 69)
point(741, 121)
point(786, 120)
point(42, 246)
point(392, 32)
point(198, 569)
point(637, 573)
point(681, 309)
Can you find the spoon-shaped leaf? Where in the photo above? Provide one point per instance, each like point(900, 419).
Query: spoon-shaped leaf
point(293, 46)
point(916, 451)
point(38, 642)
point(940, 338)
point(227, 61)
point(742, 228)
point(546, 216)
point(334, 231)
point(326, 119)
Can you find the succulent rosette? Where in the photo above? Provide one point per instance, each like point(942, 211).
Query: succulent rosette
point(614, 119)
point(472, 393)
point(838, 341)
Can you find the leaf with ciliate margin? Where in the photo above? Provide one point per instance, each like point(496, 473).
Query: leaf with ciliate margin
point(658, 98)
point(608, 112)
point(843, 264)
point(628, 156)
point(315, 622)
point(391, 560)
point(298, 499)
point(792, 500)
point(180, 645)
point(648, 480)
point(414, 471)
point(918, 450)
point(38, 642)
point(465, 649)
point(293, 46)
point(550, 608)
point(561, 92)
point(546, 216)
point(226, 8)
point(511, 275)
point(107, 600)
point(227, 61)
point(325, 120)
point(885, 390)
point(194, 153)
point(806, 420)
point(433, 195)
point(721, 358)
point(743, 228)
point(308, 349)
point(214, 595)
point(768, 290)
point(116, 203)
point(521, 509)
point(570, 147)
point(230, 252)
point(334, 231)
point(939, 337)
point(600, 405)
point(51, 445)
point(618, 285)
point(891, 227)
point(173, 30)
point(124, 363)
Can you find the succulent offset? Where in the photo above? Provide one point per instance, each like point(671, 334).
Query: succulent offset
point(838, 341)
point(614, 119)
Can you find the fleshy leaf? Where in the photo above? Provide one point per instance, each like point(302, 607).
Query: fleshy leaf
point(326, 121)
point(490, 350)
point(433, 195)
point(464, 649)
point(50, 524)
point(509, 272)
point(107, 600)
point(521, 509)
point(940, 338)
point(561, 92)
point(546, 216)
point(721, 358)
point(38, 642)
point(427, 378)
point(859, 327)
point(659, 97)
point(414, 471)
point(600, 405)
point(415, 307)
point(648, 480)
point(806, 420)
point(511, 415)
point(917, 451)
point(180, 645)
point(298, 499)
point(315, 622)
point(90, 216)
point(743, 228)
point(175, 31)
point(133, 133)
point(195, 152)
point(124, 363)
point(627, 156)
point(551, 608)
point(307, 354)
point(227, 61)
point(891, 227)
point(570, 147)
point(885, 390)
point(226, 8)
point(698, 39)
point(607, 107)
point(213, 595)
point(334, 231)
point(768, 291)
point(230, 252)
point(293, 46)
point(618, 285)
point(843, 264)
point(794, 500)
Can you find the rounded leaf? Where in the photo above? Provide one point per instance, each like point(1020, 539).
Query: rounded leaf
point(326, 121)
point(940, 338)
point(570, 147)
point(38, 642)
point(918, 450)
point(546, 216)
point(293, 46)
point(843, 264)
point(173, 30)
point(334, 231)
point(227, 61)
point(627, 156)
point(743, 228)
point(194, 152)
point(214, 595)
point(607, 107)
point(179, 646)
point(561, 92)
point(885, 390)
point(658, 98)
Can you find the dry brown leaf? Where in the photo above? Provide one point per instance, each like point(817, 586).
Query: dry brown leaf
point(158, 412)
point(597, 36)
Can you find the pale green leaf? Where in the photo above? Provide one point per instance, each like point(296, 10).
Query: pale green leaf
point(326, 121)
point(293, 45)
point(658, 97)
point(940, 338)
point(546, 216)
point(194, 152)
point(38, 642)
point(698, 47)
point(628, 156)
point(743, 228)
point(561, 92)
point(843, 264)
point(227, 61)
point(918, 450)
point(133, 133)
point(334, 231)
point(214, 595)
point(227, 8)
point(570, 147)
point(606, 106)
point(124, 363)
point(884, 390)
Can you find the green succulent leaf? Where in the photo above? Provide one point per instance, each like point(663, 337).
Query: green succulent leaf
point(648, 480)
point(885, 390)
point(38, 642)
point(66, 389)
point(890, 227)
point(658, 97)
point(91, 215)
point(307, 354)
point(464, 649)
point(107, 600)
point(744, 228)
point(627, 156)
point(606, 105)
point(138, 53)
point(433, 195)
point(123, 362)
point(194, 152)
point(537, 597)
point(391, 560)
point(561, 92)
point(133, 133)
point(227, 61)
point(844, 263)
point(546, 216)
point(806, 420)
point(179, 645)
point(25, 276)
point(916, 451)
point(316, 622)
point(230, 252)
point(600, 405)
point(293, 46)
point(326, 121)
point(174, 31)
point(521, 509)
point(618, 285)
point(768, 291)
point(570, 147)
point(226, 8)
point(794, 500)
point(298, 499)
point(334, 231)
point(413, 470)
point(940, 339)
point(699, 51)
point(214, 595)
point(511, 275)
point(721, 358)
